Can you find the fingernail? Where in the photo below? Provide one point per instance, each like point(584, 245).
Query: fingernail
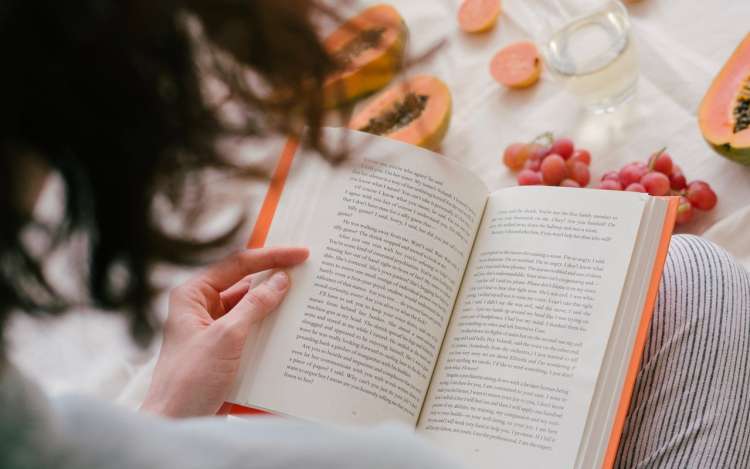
point(279, 281)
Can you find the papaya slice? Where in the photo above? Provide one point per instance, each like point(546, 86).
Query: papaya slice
point(478, 16)
point(517, 65)
point(368, 49)
point(724, 114)
point(416, 111)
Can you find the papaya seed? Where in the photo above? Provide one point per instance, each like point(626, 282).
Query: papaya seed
point(400, 115)
point(367, 39)
point(742, 114)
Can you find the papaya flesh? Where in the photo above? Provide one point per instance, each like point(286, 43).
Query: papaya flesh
point(416, 111)
point(517, 65)
point(478, 16)
point(724, 114)
point(368, 50)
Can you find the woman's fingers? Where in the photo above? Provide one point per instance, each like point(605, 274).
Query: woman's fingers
point(201, 350)
point(233, 294)
point(231, 270)
point(257, 303)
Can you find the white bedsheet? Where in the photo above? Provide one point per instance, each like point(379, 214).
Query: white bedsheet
point(682, 45)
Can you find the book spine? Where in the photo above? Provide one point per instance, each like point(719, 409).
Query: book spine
point(275, 189)
point(260, 233)
point(641, 336)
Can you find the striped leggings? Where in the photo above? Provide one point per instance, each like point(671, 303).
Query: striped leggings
point(691, 403)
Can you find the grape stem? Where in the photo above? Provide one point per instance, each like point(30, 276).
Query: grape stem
point(547, 138)
point(654, 157)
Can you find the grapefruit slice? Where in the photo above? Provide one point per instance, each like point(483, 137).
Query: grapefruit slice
point(724, 114)
point(517, 65)
point(477, 16)
point(416, 111)
point(368, 49)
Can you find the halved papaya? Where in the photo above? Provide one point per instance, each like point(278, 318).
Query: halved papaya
point(478, 16)
point(416, 111)
point(369, 49)
point(517, 65)
point(724, 115)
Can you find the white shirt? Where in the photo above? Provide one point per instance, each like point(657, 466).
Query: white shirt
point(78, 432)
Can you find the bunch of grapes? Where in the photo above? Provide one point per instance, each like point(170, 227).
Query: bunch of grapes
point(556, 162)
point(549, 161)
point(660, 176)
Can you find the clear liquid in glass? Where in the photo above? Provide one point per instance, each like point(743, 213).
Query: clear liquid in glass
point(596, 58)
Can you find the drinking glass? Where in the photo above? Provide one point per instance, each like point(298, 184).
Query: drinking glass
point(589, 46)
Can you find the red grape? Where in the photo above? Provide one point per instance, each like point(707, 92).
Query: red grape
point(656, 183)
point(528, 177)
point(636, 187)
point(581, 155)
point(701, 196)
point(661, 162)
point(554, 170)
point(515, 156)
point(632, 172)
point(569, 183)
point(579, 172)
point(677, 180)
point(611, 175)
point(563, 147)
point(610, 185)
point(534, 164)
point(538, 150)
point(684, 211)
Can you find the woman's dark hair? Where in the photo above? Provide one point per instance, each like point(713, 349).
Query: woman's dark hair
point(110, 95)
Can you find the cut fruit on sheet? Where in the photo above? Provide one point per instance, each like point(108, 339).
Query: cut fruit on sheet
point(416, 111)
point(517, 65)
point(477, 16)
point(369, 49)
point(724, 115)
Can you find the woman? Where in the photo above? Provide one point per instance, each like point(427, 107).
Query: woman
point(107, 94)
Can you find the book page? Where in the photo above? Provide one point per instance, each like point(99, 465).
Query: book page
point(521, 358)
point(357, 337)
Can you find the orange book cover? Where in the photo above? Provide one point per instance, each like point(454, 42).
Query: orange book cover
point(642, 335)
point(260, 232)
point(263, 225)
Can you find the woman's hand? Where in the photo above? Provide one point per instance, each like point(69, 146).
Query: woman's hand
point(209, 320)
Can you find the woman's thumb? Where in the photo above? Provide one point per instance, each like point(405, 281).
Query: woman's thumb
point(258, 302)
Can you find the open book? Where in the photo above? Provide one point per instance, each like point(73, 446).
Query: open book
point(504, 326)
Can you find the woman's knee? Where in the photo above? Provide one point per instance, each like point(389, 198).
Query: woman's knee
point(689, 396)
point(703, 292)
point(702, 277)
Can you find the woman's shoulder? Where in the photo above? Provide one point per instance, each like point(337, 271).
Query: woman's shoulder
point(78, 431)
